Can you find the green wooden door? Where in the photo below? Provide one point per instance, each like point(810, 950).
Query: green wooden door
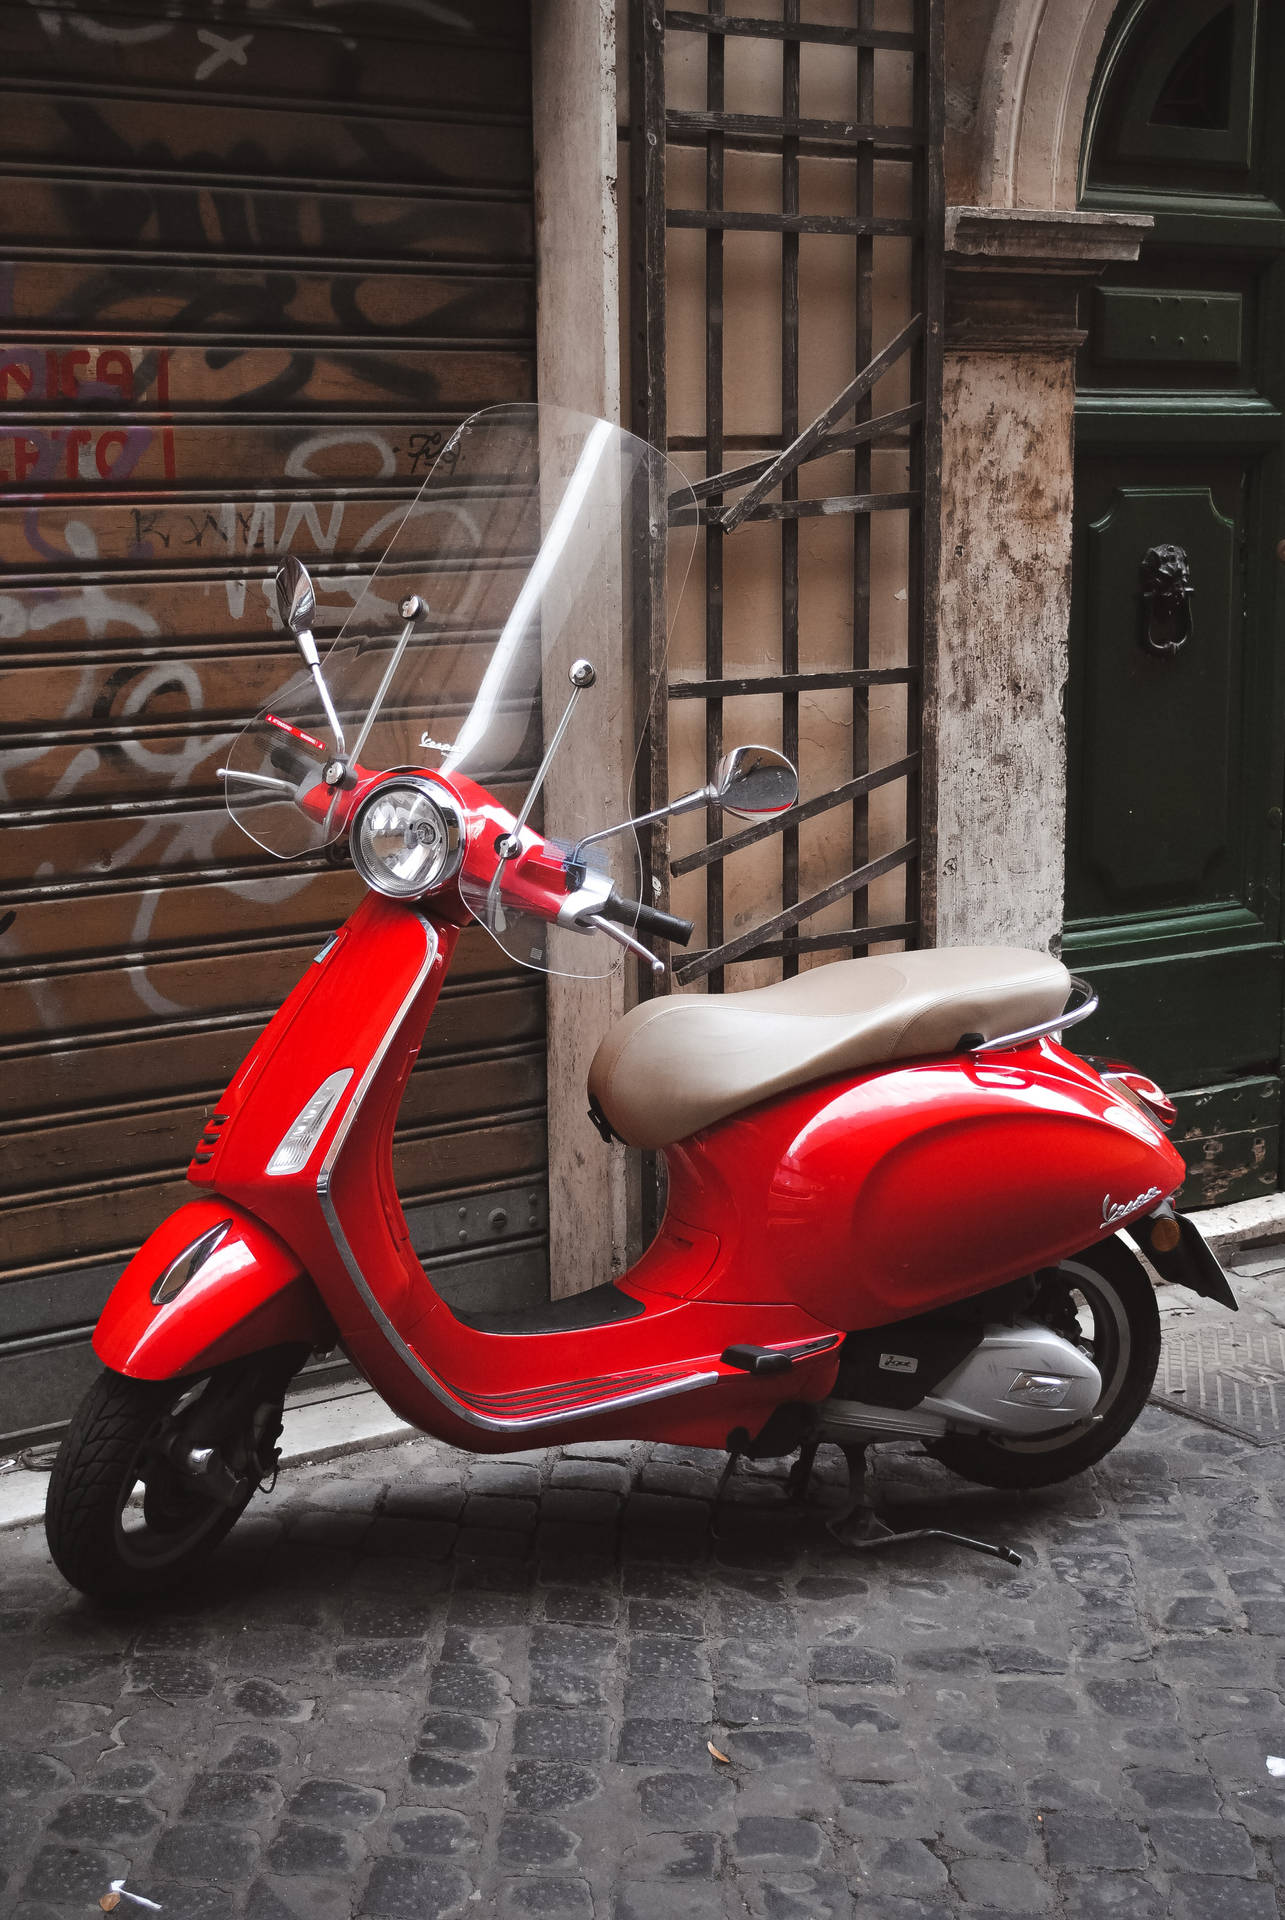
point(1174, 705)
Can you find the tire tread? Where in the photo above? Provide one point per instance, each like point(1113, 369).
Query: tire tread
point(98, 1449)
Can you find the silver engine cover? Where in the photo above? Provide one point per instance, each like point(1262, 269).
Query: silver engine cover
point(1021, 1381)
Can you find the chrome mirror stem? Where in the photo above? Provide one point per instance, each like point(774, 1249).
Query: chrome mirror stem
point(329, 705)
point(704, 797)
point(296, 604)
point(581, 675)
point(410, 609)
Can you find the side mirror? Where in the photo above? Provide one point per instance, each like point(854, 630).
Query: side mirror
point(296, 605)
point(755, 783)
point(296, 596)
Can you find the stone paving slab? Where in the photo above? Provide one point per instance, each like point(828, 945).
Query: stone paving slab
point(416, 1685)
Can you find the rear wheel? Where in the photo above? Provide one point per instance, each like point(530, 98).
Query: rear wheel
point(127, 1514)
point(1101, 1300)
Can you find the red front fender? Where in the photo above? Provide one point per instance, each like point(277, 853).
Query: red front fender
point(250, 1292)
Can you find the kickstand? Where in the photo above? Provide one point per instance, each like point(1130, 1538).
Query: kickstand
point(796, 1481)
point(732, 1458)
point(860, 1528)
point(890, 1538)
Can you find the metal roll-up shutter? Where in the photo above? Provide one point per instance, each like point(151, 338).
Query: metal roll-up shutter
point(255, 263)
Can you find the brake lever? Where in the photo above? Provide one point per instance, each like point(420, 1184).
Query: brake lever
point(613, 932)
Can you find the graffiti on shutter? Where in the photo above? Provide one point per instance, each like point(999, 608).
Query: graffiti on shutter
point(252, 273)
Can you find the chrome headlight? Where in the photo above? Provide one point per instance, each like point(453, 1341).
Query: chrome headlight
point(406, 838)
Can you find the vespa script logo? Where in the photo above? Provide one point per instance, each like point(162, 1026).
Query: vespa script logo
point(1121, 1209)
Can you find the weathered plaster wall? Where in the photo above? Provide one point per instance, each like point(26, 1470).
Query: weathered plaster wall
point(1004, 601)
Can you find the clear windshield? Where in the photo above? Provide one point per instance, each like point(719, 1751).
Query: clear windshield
point(530, 546)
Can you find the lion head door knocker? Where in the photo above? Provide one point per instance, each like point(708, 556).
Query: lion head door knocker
point(1166, 600)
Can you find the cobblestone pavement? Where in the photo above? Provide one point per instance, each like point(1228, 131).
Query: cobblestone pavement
point(417, 1684)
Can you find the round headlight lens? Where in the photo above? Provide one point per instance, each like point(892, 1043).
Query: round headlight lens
point(405, 840)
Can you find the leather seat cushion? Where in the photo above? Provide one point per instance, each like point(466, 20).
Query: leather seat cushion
point(671, 1067)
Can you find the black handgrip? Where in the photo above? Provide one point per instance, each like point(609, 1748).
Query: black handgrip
point(295, 766)
point(648, 920)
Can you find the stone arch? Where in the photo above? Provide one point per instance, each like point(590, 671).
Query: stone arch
point(1032, 94)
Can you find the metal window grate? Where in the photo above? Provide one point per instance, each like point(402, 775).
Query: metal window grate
point(871, 455)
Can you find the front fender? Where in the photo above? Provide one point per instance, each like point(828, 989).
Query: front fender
point(249, 1292)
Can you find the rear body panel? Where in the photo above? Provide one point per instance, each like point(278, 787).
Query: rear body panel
point(903, 1189)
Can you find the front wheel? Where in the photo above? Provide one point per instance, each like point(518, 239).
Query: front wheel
point(127, 1514)
point(1102, 1301)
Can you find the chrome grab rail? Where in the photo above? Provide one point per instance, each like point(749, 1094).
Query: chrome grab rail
point(1088, 1005)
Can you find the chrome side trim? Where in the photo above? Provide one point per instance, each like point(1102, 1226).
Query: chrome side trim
point(186, 1265)
point(411, 1361)
point(1088, 1005)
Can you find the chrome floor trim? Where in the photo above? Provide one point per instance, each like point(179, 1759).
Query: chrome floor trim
point(409, 1359)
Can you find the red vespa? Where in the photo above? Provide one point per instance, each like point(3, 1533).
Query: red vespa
point(894, 1198)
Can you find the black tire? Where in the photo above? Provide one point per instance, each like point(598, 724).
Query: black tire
point(107, 1547)
point(1109, 1287)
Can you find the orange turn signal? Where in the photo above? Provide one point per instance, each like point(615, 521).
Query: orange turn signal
point(1165, 1233)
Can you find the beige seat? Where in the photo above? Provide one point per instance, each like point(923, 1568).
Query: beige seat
point(673, 1066)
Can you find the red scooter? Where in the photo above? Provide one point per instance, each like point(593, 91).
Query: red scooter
point(894, 1198)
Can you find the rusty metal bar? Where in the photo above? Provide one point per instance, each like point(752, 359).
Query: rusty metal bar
point(790, 101)
point(805, 810)
point(715, 64)
point(829, 942)
point(862, 470)
point(724, 23)
point(832, 137)
point(815, 509)
point(722, 220)
point(747, 684)
point(800, 448)
point(648, 398)
point(719, 957)
point(867, 430)
point(928, 294)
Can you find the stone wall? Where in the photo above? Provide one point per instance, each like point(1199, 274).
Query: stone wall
point(1018, 80)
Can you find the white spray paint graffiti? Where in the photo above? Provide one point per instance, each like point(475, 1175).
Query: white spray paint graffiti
point(189, 842)
point(226, 51)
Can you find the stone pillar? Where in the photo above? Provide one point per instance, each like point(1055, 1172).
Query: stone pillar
point(996, 781)
point(578, 366)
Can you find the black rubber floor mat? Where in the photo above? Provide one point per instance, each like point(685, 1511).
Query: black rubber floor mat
point(1230, 1377)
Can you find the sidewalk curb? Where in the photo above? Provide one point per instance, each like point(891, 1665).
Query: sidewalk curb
point(1245, 1223)
point(318, 1430)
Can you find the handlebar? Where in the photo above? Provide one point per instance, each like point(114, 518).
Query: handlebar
point(641, 919)
point(296, 766)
